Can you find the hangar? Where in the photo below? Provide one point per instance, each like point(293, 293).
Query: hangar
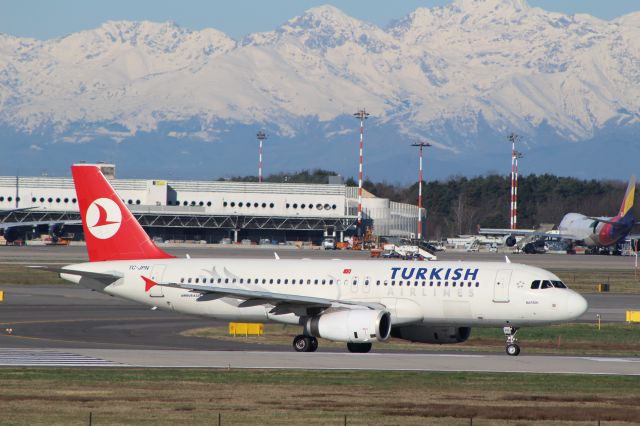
point(211, 211)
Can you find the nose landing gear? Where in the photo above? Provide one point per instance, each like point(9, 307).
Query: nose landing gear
point(512, 347)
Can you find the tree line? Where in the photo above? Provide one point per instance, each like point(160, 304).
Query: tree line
point(458, 205)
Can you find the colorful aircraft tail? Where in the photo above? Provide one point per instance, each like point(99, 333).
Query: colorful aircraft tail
point(111, 231)
point(627, 202)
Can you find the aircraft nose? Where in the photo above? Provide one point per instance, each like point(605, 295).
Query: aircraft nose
point(576, 306)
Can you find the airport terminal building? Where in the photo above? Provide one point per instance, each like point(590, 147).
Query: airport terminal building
point(214, 210)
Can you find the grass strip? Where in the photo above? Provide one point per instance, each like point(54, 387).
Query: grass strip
point(170, 396)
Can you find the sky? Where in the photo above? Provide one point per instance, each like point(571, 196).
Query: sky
point(45, 19)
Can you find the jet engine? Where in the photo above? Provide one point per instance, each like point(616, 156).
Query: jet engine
point(353, 325)
point(510, 241)
point(437, 335)
point(10, 234)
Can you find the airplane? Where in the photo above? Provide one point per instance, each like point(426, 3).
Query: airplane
point(12, 231)
point(358, 302)
point(579, 229)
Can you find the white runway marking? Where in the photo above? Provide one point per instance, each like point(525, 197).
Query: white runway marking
point(50, 358)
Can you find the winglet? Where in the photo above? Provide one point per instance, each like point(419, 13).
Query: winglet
point(506, 259)
point(627, 202)
point(276, 255)
point(148, 283)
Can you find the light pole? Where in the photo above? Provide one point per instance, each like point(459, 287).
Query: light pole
point(420, 144)
point(261, 137)
point(513, 206)
point(361, 115)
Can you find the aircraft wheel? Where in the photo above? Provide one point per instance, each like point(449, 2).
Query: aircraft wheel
point(302, 343)
point(313, 344)
point(513, 350)
point(359, 348)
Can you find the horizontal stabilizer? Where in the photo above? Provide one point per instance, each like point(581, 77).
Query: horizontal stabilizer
point(105, 278)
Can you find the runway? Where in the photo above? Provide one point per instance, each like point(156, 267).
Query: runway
point(318, 361)
point(38, 254)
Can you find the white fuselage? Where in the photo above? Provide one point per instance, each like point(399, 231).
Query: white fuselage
point(438, 293)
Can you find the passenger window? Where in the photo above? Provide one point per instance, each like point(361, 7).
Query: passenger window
point(189, 280)
point(393, 282)
point(535, 284)
point(211, 280)
point(271, 281)
point(330, 282)
point(355, 282)
point(366, 282)
point(181, 280)
point(546, 284)
point(278, 281)
point(241, 280)
point(226, 280)
point(219, 280)
point(315, 282)
point(197, 280)
point(323, 282)
point(378, 282)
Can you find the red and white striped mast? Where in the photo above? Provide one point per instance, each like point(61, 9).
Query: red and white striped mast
point(420, 144)
point(515, 155)
point(361, 115)
point(261, 137)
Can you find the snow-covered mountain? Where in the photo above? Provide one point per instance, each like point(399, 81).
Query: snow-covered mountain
point(462, 76)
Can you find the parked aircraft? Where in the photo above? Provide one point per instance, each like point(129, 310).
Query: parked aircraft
point(579, 229)
point(12, 231)
point(357, 301)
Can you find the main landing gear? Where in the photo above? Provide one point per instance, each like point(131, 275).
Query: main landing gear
point(512, 347)
point(303, 343)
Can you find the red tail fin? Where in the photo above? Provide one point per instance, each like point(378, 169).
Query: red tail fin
point(111, 231)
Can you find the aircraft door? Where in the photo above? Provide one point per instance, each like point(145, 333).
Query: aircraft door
point(156, 275)
point(501, 286)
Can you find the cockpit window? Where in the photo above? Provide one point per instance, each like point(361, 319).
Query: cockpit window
point(559, 284)
point(546, 284)
point(535, 284)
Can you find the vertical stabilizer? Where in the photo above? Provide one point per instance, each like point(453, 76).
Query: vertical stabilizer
point(111, 231)
point(627, 202)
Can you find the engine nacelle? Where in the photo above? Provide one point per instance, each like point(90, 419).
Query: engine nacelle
point(510, 241)
point(437, 335)
point(353, 325)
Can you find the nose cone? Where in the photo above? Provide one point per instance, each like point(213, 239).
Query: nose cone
point(576, 306)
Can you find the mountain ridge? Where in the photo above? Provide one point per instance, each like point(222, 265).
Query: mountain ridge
point(460, 75)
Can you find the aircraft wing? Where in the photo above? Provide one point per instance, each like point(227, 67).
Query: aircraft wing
point(40, 222)
point(34, 223)
point(281, 301)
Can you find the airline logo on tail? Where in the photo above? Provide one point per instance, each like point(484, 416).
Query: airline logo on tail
point(103, 218)
point(627, 202)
